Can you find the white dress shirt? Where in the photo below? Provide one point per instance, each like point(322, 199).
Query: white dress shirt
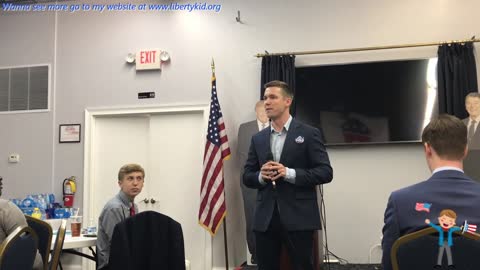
point(262, 125)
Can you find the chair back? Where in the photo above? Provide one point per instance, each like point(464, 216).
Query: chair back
point(147, 241)
point(18, 250)
point(419, 250)
point(44, 233)
point(58, 246)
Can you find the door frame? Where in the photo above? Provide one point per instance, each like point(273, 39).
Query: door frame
point(91, 115)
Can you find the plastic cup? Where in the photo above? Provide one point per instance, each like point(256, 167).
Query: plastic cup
point(76, 224)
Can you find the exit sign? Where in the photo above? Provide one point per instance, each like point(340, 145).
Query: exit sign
point(148, 59)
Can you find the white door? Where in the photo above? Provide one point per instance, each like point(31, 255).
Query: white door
point(175, 170)
point(169, 145)
point(117, 141)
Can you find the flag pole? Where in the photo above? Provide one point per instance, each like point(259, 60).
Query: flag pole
point(225, 240)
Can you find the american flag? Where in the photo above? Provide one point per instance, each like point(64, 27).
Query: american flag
point(471, 228)
point(212, 195)
point(423, 207)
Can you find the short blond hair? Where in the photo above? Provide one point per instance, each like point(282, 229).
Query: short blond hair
point(130, 168)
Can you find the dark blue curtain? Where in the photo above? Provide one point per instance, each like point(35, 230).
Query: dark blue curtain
point(280, 68)
point(457, 76)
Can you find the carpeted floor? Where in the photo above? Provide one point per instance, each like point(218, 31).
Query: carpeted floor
point(352, 267)
point(333, 266)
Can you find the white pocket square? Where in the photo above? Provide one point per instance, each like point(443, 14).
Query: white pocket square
point(299, 139)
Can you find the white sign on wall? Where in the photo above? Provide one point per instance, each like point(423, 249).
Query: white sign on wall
point(148, 59)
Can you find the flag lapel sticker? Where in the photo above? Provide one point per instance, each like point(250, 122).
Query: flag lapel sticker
point(423, 207)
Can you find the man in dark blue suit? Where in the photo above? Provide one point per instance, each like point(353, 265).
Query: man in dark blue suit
point(445, 143)
point(285, 163)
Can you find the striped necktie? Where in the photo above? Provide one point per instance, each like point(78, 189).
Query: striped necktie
point(471, 129)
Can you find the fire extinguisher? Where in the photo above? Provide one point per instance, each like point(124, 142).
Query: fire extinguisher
point(69, 189)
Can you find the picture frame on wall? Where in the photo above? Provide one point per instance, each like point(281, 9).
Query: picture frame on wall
point(69, 133)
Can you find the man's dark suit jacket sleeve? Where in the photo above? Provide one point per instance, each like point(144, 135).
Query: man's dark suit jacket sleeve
point(317, 172)
point(391, 233)
point(252, 168)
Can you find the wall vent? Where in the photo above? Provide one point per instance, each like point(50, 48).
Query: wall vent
point(24, 88)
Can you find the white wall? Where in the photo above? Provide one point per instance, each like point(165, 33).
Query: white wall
point(26, 39)
point(91, 72)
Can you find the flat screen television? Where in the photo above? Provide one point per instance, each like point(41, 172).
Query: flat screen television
point(368, 103)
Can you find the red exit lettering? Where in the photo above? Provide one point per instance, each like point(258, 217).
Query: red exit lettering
point(147, 57)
